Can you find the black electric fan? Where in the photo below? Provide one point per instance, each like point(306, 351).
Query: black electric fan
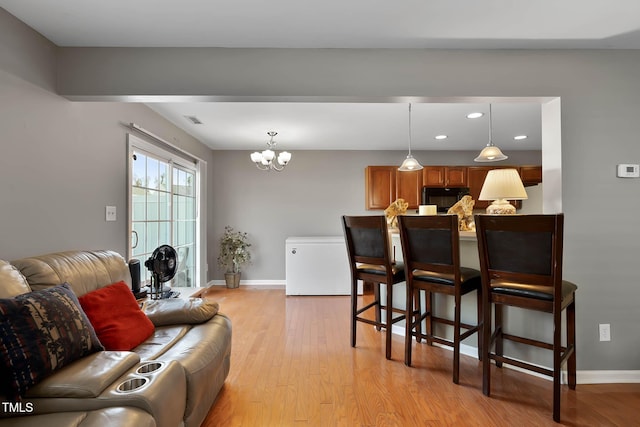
point(163, 265)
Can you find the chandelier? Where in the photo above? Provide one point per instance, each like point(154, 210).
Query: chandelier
point(267, 159)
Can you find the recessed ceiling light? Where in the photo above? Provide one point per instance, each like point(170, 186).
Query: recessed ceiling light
point(520, 137)
point(474, 115)
point(441, 136)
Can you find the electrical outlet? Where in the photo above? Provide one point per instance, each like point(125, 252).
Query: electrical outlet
point(605, 332)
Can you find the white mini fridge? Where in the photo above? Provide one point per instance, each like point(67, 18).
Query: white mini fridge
point(317, 266)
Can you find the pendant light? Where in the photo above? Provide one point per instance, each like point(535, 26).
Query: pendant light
point(410, 164)
point(490, 153)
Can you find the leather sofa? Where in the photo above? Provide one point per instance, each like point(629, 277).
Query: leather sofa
point(171, 379)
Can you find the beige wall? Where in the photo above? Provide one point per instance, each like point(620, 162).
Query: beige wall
point(62, 162)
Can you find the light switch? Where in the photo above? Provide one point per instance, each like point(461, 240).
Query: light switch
point(110, 213)
point(628, 171)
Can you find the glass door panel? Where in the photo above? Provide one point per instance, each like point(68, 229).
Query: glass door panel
point(163, 212)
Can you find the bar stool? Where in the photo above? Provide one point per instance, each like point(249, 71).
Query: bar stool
point(431, 251)
point(521, 266)
point(368, 249)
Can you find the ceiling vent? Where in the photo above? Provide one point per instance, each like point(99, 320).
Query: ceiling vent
point(193, 119)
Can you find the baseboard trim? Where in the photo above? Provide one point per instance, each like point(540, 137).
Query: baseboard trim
point(582, 377)
point(257, 284)
point(608, 377)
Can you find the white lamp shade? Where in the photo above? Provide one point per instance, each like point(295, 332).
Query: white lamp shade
point(284, 157)
point(268, 155)
point(503, 184)
point(490, 153)
point(256, 157)
point(410, 164)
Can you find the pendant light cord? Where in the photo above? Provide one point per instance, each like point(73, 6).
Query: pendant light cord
point(490, 126)
point(409, 128)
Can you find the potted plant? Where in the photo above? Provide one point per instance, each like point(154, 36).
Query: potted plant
point(234, 253)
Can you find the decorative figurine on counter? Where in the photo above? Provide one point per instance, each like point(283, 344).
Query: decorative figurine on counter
point(399, 207)
point(464, 209)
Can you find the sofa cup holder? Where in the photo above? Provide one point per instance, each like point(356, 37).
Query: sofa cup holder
point(131, 385)
point(149, 368)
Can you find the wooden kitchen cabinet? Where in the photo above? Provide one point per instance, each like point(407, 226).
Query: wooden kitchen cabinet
point(380, 186)
point(385, 184)
point(444, 176)
point(456, 176)
point(531, 175)
point(476, 176)
point(409, 187)
point(433, 176)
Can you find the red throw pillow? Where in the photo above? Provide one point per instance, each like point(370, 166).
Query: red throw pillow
point(116, 317)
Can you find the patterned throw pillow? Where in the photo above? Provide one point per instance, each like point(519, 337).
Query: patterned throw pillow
point(41, 332)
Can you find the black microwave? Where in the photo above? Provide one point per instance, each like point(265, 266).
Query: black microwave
point(443, 198)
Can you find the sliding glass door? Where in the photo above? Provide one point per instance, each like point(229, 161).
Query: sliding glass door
point(163, 208)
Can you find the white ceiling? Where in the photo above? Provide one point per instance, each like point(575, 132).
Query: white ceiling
point(356, 126)
point(335, 23)
point(451, 24)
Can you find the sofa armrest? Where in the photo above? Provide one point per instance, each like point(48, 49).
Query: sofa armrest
point(86, 377)
point(178, 311)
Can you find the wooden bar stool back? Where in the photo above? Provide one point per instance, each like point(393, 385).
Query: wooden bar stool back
point(368, 246)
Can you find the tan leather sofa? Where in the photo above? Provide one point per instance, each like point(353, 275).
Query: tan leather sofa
point(171, 379)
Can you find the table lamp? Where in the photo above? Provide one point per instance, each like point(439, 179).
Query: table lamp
point(502, 185)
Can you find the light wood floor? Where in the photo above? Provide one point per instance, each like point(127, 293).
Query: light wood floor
point(292, 364)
